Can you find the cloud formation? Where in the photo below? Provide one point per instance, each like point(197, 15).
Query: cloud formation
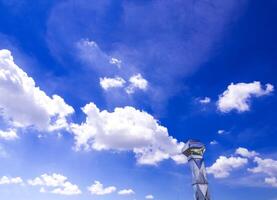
point(116, 82)
point(35, 108)
point(98, 189)
point(271, 181)
point(246, 153)
point(8, 135)
point(136, 82)
point(154, 47)
point(267, 166)
point(221, 132)
point(237, 96)
point(126, 129)
point(205, 100)
point(90, 54)
point(10, 180)
point(213, 142)
point(57, 183)
point(223, 166)
point(126, 192)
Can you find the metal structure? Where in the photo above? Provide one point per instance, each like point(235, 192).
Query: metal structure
point(194, 151)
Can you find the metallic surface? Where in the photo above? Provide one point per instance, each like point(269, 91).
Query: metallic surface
point(194, 151)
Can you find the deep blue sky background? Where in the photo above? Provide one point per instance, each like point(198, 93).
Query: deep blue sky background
point(185, 57)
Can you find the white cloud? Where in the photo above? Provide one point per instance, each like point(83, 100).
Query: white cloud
point(237, 96)
point(245, 152)
point(35, 107)
point(67, 189)
point(266, 166)
point(136, 82)
point(116, 82)
point(149, 196)
point(214, 142)
point(115, 61)
point(9, 180)
point(206, 100)
point(53, 180)
point(8, 135)
point(220, 132)
point(98, 189)
point(58, 183)
point(126, 192)
point(223, 166)
point(271, 181)
point(126, 129)
point(90, 53)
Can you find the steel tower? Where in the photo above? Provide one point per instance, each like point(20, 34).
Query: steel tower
point(194, 151)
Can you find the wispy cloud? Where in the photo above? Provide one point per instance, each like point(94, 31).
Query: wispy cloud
point(155, 47)
point(149, 196)
point(126, 192)
point(205, 100)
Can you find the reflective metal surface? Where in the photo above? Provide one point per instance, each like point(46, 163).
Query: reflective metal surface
point(194, 151)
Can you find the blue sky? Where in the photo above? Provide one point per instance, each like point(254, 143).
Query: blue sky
point(97, 98)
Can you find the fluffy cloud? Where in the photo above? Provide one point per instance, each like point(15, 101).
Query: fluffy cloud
point(126, 129)
point(35, 107)
point(8, 135)
point(126, 192)
point(206, 100)
point(8, 180)
point(67, 189)
point(136, 82)
point(237, 96)
point(107, 83)
point(98, 189)
point(58, 183)
point(271, 181)
point(246, 153)
point(223, 166)
point(149, 196)
point(266, 166)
